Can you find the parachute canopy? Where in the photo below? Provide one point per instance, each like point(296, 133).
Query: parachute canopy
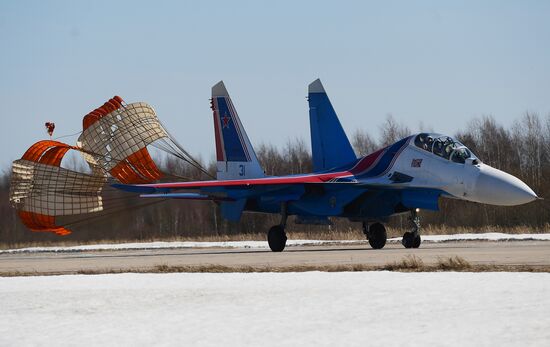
point(41, 190)
point(117, 138)
point(113, 143)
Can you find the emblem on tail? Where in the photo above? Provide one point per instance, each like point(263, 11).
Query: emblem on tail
point(235, 156)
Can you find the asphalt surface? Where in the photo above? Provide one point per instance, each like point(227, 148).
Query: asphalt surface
point(528, 253)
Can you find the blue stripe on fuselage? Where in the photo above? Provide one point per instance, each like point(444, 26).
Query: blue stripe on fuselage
point(387, 158)
point(234, 148)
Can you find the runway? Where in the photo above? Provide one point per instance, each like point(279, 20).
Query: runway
point(512, 253)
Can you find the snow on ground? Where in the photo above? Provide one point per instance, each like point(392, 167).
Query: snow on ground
point(482, 237)
point(172, 245)
point(277, 309)
point(263, 244)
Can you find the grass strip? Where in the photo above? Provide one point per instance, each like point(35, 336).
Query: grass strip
point(408, 263)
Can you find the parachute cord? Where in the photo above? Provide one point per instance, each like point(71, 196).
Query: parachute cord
point(184, 155)
point(196, 166)
point(63, 136)
point(177, 149)
point(126, 208)
point(171, 146)
point(189, 158)
point(194, 163)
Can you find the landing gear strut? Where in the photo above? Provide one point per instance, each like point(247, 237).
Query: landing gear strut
point(276, 237)
point(376, 234)
point(411, 239)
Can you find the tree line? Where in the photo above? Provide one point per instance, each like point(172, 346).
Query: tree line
point(522, 149)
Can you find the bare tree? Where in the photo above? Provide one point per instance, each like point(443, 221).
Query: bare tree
point(363, 143)
point(391, 131)
point(297, 157)
point(490, 142)
point(529, 140)
point(523, 150)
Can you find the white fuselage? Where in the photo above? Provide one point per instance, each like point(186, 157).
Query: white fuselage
point(472, 180)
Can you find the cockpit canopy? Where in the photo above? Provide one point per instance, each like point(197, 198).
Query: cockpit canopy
point(443, 146)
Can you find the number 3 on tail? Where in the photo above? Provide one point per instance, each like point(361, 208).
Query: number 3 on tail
point(241, 170)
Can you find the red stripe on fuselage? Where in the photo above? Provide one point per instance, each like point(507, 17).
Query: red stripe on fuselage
point(368, 161)
point(363, 165)
point(320, 178)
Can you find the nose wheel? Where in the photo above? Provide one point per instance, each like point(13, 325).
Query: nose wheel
point(376, 234)
point(411, 239)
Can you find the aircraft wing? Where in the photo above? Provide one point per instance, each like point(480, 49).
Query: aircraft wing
point(301, 189)
point(207, 188)
point(232, 194)
point(162, 188)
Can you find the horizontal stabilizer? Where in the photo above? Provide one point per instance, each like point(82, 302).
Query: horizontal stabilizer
point(186, 196)
point(134, 188)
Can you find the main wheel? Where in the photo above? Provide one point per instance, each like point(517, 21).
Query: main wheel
point(276, 238)
point(377, 236)
point(417, 241)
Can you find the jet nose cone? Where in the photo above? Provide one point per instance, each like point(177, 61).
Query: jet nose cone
point(496, 187)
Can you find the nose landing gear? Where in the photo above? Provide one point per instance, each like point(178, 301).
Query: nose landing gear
point(411, 239)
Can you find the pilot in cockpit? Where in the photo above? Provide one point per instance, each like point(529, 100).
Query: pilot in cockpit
point(443, 146)
point(429, 143)
point(438, 148)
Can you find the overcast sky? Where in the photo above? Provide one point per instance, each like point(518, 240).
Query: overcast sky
point(439, 63)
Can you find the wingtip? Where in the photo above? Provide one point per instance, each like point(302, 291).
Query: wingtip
point(219, 89)
point(316, 87)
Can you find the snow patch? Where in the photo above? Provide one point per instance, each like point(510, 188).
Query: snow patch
point(175, 245)
point(481, 237)
point(277, 309)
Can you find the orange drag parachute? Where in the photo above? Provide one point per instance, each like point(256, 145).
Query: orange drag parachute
point(117, 137)
point(41, 190)
point(113, 144)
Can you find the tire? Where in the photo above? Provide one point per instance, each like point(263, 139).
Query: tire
point(408, 240)
point(417, 241)
point(377, 236)
point(276, 238)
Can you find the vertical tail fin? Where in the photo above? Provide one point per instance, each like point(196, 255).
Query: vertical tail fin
point(330, 146)
point(235, 156)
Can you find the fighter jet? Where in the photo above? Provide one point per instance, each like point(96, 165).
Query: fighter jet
point(413, 173)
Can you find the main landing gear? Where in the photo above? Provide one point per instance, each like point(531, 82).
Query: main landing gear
point(276, 236)
point(376, 234)
point(411, 239)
